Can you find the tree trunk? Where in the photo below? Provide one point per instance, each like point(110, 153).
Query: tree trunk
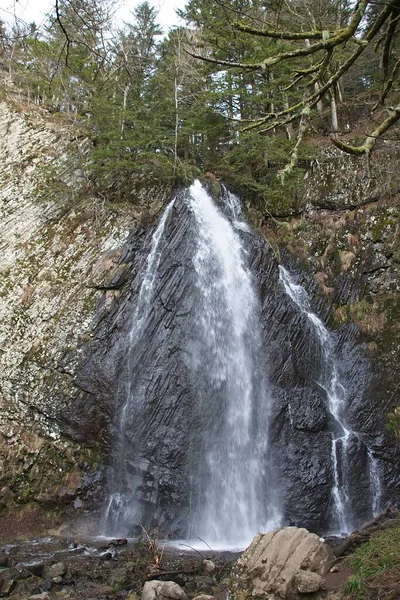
point(176, 97)
point(335, 124)
point(124, 102)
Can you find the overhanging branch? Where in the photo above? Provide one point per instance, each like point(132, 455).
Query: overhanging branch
point(371, 139)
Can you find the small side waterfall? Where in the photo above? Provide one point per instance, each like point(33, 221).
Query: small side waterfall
point(329, 380)
point(121, 508)
point(235, 485)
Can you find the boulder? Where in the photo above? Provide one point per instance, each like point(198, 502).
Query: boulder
point(204, 584)
point(208, 566)
point(162, 590)
point(7, 587)
point(56, 570)
point(307, 582)
point(6, 497)
point(269, 565)
point(36, 568)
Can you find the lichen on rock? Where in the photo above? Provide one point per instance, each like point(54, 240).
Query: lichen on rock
point(52, 235)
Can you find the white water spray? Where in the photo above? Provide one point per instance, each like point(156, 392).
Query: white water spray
point(236, 486)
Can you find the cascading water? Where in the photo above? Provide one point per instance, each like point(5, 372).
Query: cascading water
point(225, 423)
point(231, 483)
point(121, 508)
point(335, 391)
point(376, 485)
point(236, 486)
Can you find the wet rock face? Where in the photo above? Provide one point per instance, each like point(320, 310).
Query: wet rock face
point(164, 428)
point(160, 420)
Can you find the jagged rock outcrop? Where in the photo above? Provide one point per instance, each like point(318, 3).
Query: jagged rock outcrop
point(337, 181)
point(274, 563)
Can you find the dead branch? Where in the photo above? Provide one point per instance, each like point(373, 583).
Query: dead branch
point(385, 520)
point(388, 86)
point(161, 574)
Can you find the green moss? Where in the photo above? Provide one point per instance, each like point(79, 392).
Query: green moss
point(384, 226)
point(359, 310)
point(25, 492)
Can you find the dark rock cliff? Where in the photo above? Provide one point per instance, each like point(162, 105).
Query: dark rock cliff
point(165, 425)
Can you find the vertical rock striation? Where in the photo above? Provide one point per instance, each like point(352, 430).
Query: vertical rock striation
point(166, 427)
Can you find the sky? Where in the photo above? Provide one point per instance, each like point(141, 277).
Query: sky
point(34, 10)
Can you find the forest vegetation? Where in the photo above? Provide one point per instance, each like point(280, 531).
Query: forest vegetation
point(248, 92)
point(246, 89)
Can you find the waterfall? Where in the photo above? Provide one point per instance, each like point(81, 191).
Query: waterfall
point(202, 367)
point(221, 411)
point(121, 507)
point(330, 381)
point(235, 486)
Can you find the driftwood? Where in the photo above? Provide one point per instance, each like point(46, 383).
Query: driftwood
point(385, 520)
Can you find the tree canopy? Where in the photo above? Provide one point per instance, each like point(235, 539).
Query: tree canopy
point(241, 90)
point(318, 43)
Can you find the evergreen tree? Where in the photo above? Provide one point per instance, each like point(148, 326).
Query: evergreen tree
point(121, 114)
point(317, 58)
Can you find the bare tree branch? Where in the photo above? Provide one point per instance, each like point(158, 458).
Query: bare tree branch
point(388, 86)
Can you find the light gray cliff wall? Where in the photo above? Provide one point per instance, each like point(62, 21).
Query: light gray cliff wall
point(52, 234)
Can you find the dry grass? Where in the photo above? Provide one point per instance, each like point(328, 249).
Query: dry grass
point(376, 566)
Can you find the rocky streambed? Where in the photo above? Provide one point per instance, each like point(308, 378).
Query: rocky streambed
point(288, 563)
point(66, 568)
